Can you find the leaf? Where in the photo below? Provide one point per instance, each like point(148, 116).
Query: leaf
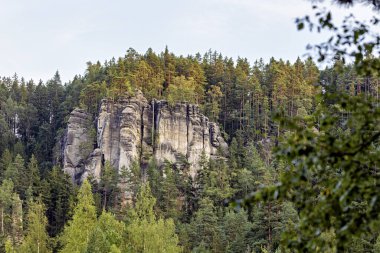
point(300, 25)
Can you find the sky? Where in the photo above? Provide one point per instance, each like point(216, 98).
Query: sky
point(39, 37)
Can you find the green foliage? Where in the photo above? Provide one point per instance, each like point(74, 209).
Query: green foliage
point(86, 147)
point(107, 235)
point(250, 171)
point(6, 192)
point(9, 247)
point(184, 89)
point(242, 98)
point(58, 196)
point(351, 39)
point(36, 239)
point(144, 204)
point(91, 96)
point(146, 233)
point(33, 176)
point(214, 181)
point(376, 248)
point(156, 236)
point(16, 233)
point(331, 178)
point(204, 230)
point(6, 160)
point(169, 199)
point(129, 181)
point(77, 232)
point(16, 172)
point(108, 185)
point(236, 228)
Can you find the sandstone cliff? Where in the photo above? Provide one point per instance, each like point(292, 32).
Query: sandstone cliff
point(133, 129)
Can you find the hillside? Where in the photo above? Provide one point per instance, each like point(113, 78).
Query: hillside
point(181, 137)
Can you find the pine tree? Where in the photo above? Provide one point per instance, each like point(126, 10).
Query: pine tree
point(108, 185)
point(129, 181)
point(169, 194)
point(376, 247)
point(252, 162)
point(155, 178)
point(235, 228)
point(6, 160)
point(107, 234)
point(169, 67)
point(37, 239)
point(58, 197)
point(243, 182)
point(216, 182)
point(15, 172)
point(91, 96)
point(204, 228)
point(77, 232)
point(235, 154)
point(9, 248)
point(214, 95)
point(17, 221)
point(6, 192)
point(33, 176)
point(147, 234)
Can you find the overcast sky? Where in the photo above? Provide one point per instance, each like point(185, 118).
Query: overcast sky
point(38, 37)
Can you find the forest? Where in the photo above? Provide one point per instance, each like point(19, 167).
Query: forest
point(267, 112)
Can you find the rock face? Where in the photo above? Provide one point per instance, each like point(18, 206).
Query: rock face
point(135, 130)
point(77, 135)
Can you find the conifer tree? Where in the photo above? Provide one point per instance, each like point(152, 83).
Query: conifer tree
point(107, 234)
point(108, 184)
point(147, 234)
point(6, 160)
point(235, 228)
point(77, 232)
point(216, 182)
point(37, 239)
point(58, 197)
point(9, 248)
point(33, 176)
point(376, 248)
point(17, 221)
point(169, 194)
point(15, 173)
point(6, 192)
point(204, 228)
point(130, 180)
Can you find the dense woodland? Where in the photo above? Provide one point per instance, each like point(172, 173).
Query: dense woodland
point(42, 211)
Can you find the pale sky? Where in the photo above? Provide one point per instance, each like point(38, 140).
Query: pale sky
point(38, 37)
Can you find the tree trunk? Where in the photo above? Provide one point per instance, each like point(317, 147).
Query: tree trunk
point(2, 221)
point(270, 228)
point(105, 199)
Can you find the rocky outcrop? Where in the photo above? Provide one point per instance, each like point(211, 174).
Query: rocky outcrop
point(135, 130)
point(77, 135)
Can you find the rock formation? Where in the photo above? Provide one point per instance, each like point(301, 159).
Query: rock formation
point(133, 129)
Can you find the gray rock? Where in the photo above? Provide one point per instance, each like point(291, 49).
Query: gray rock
point(77, 134)
point(132, 129)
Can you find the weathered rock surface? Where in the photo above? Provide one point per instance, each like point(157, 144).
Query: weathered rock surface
point(74, 156)
point(133, 129)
